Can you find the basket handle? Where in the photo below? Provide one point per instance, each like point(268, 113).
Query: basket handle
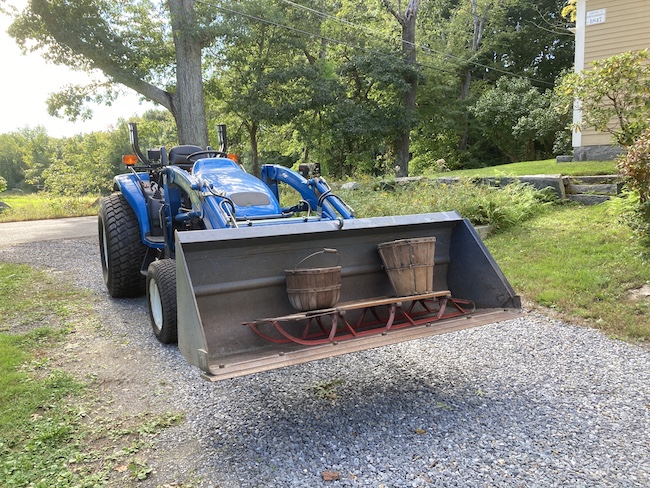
point(326, 250)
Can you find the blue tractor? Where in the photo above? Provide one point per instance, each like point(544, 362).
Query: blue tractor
point(211, 245)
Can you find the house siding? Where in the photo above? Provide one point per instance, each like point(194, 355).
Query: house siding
point(626, 28)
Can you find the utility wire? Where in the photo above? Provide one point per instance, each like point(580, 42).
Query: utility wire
point(319, 36)
point(409, 43)
point(357, 47)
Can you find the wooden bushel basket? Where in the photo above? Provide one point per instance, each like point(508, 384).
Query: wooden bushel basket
point(409, 264)
point(314, 288)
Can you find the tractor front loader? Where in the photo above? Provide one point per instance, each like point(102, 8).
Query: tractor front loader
point(245, 284)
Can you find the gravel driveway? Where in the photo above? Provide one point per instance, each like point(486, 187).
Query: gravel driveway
point(526, 402)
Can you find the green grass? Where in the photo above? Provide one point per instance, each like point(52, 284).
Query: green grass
point(39, 431)
point(53, 432)
point(37, 206)
point(581, 262)
point(548, 166)
point(29, 299)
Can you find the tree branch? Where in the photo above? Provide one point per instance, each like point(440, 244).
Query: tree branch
point(394, 12)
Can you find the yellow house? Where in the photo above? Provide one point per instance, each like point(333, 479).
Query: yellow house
point(605, 28)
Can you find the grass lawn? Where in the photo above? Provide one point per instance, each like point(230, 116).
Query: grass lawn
point(544, 167)
point(37, 206)
point(581, 262)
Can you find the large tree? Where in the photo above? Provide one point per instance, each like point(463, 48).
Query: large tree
point(151, 47)
point(407, 21)
point(484, 40)
point(266, 74)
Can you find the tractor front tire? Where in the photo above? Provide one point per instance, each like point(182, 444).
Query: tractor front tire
point(121, 248)
point(161, 300)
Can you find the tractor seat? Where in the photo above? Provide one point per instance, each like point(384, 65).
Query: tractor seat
point(178, 156)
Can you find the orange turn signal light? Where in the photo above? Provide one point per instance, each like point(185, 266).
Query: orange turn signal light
point(130, 159)
point(234, 157)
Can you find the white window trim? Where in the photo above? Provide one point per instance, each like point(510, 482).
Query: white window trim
point(579, 65)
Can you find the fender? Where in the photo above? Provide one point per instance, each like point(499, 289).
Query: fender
point(129, 185)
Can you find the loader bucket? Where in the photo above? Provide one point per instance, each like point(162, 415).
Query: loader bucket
point(228, 280)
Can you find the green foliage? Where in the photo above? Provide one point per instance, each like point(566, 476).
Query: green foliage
point(37, 150)
point(86, 163)
point(500, 208)
point(12, 161)
point(292, 82)
point(634, 165)
point(636, 215)
point(639, 222)
point(519, 119)
point(531, 39)
point(3, 184)
point(614, 95)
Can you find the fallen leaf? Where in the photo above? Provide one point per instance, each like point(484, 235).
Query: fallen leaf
point(330, 475)
point(420, 431)
point(120, 469)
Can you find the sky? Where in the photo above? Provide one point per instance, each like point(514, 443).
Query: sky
point(26, 82)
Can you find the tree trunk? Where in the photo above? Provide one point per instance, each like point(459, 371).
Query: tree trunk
point(252, 131)
point(187, 103)
point(466, 73)
point(402, 140)
point(465, 82)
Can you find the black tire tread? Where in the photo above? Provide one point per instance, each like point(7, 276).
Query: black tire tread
point(126, 251)
point(164, 272)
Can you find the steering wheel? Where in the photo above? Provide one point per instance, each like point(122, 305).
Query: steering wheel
point(210, 153)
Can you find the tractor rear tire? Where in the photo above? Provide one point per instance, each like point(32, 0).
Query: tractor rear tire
point(161, 300)
point(121, 248)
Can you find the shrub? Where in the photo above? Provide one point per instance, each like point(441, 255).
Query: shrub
point(614, 95)
point(636, 215)
point(634, 165)
point(521, 121)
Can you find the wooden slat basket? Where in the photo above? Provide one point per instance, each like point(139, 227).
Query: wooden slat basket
point(314, 288)
point(409, 264)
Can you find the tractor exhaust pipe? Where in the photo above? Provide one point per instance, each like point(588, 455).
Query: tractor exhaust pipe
point(223, 140)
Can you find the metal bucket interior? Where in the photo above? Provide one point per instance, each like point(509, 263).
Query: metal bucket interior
point(230, 276)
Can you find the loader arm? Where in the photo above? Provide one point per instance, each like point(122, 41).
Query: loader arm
point(315, 192)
